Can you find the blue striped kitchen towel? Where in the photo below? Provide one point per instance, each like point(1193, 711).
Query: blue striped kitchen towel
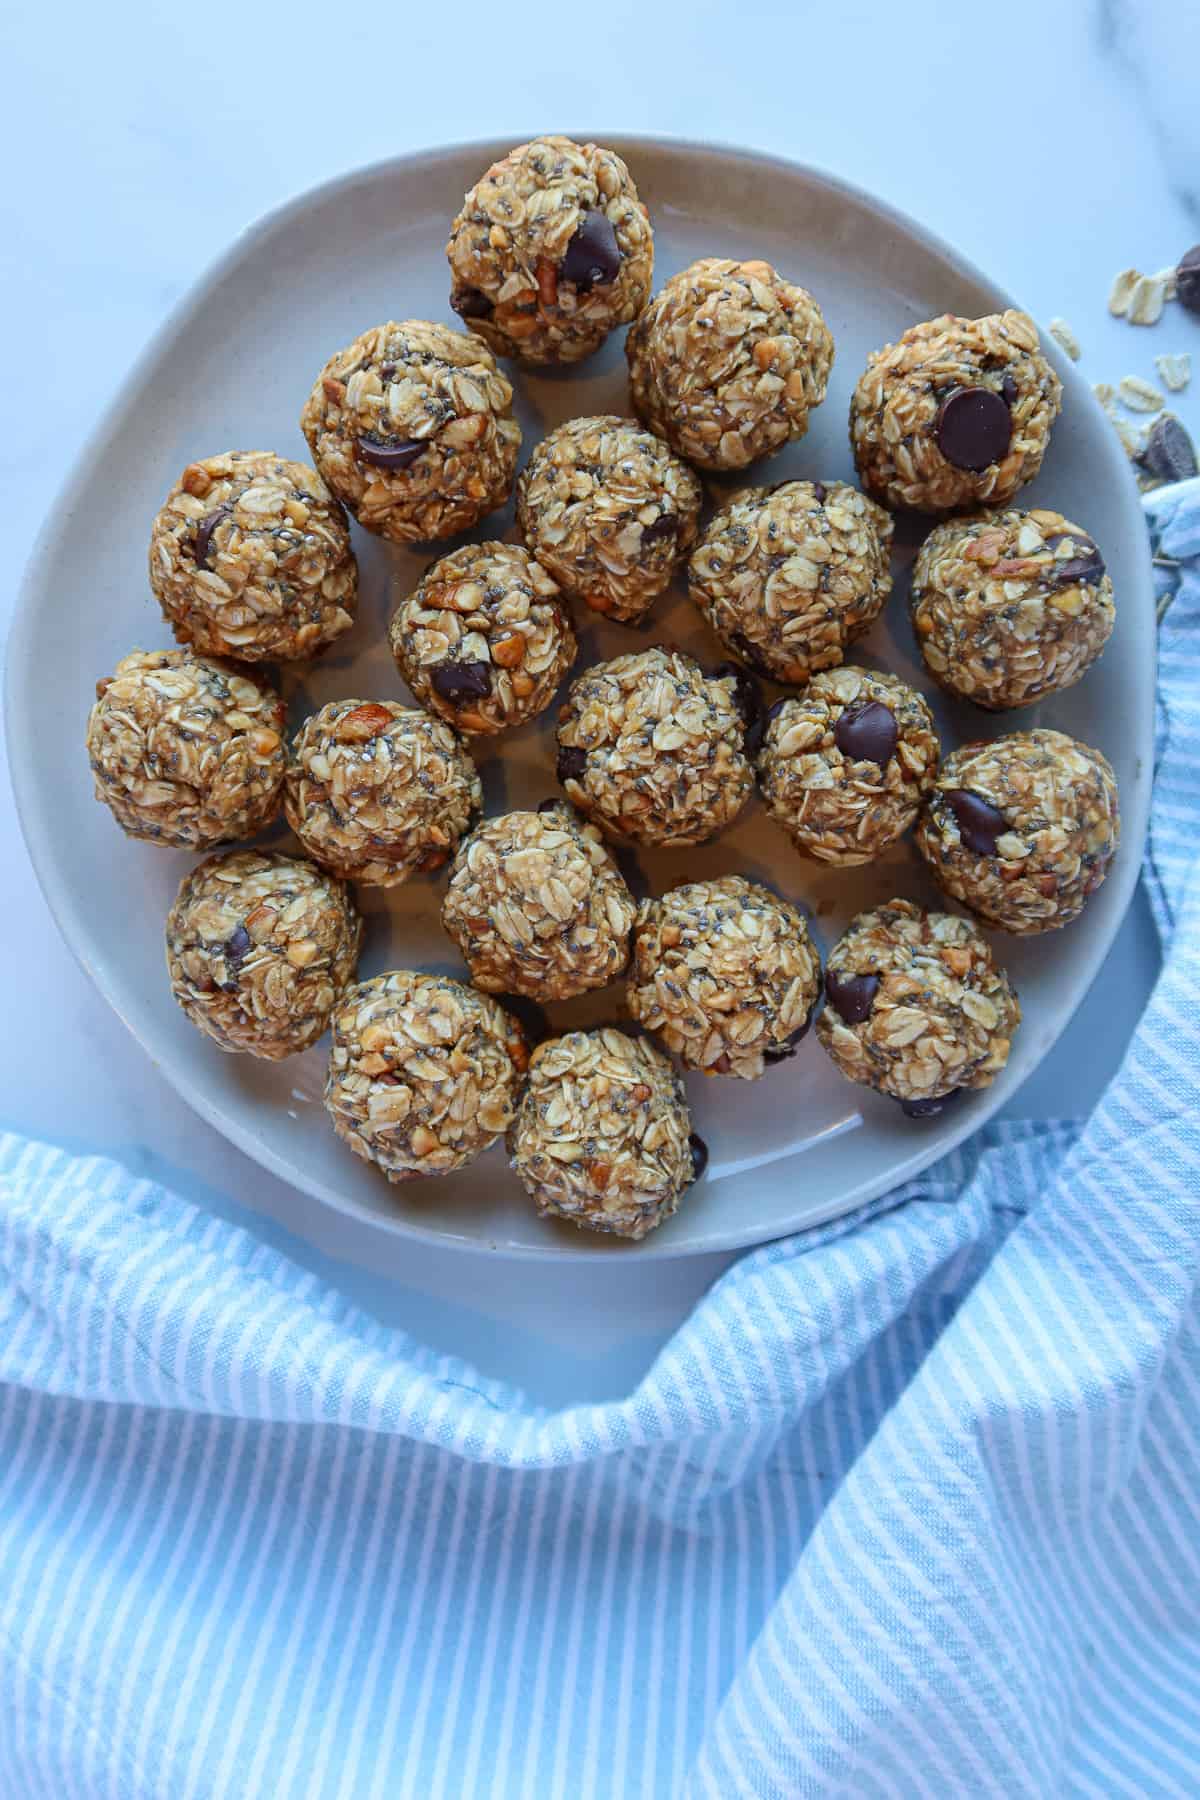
point(909, 1507)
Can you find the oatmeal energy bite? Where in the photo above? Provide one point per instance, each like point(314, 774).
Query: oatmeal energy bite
point(1022, 830)
point(1008, 607)
point(423, 1074)
point(653, 750)
point(551, 250)
point(485, 640)
point(411, 426)
point(845, 765)
point(956, 413)
point(602, 1136)
point(376, 792)
point(187, 751)
point(725, 974)
point(727, 362)
point(788, 576)
point(250, 557)
point(537, 906)
point(610, 512)
point(259, 946)
point(916, 1007)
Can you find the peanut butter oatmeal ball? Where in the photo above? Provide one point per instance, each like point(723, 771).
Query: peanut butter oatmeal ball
point(423, 1074)
point(727, 361)
point(187, 751)
point(653, 750)
point(956, 413)
point(259, 946)
point(788, 576)
point(916, 1007)
point(1008, 607)
point(411, 426)
point(1022, 830)
point(377, 792)
point(603, 1135)
point(551, 251)
point(537, 906)
point(485, 640)
point(725, 973)
point(610, 512)
point(845, 765)
point(250, 557)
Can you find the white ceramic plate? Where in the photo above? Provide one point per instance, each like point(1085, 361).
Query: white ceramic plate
point(230, 370)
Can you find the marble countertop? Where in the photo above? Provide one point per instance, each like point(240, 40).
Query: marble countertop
point(1053, 147)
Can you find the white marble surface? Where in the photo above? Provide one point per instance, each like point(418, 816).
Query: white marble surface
point(1053, 147)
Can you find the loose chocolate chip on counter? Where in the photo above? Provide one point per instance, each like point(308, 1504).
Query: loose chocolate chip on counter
point(665, 526)
point(462, 681)
point(867, 733)
point(390, 456)
point(973, 428)
point(851, 996)
point(1187, 280)
point(471, 303)
point(928, 1109)
point(593, 256)
point(757, 731)
point(747, 695)
point(237, 944)
point(1169, 452)
point(571, 763)
point(979, 823)
point(699, 1150)
point(1008, 387)
point(202, 542)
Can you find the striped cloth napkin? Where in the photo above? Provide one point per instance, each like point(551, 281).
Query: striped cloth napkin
point(910, 1506)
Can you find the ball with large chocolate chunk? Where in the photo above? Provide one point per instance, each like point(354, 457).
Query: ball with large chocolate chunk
point(551, 251)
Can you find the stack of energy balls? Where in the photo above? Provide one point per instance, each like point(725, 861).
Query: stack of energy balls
point(412, 433)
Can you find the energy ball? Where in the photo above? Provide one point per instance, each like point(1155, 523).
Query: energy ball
point(1022, 830)
point(250, 557)
point(423, 1074)
point(186, 751)
point(411, 426)
point(259, 946)
point(610, 512)
point(537, 906)
point(1009, 607)
point(788, 576)
point(602, 1136)
point(551, 251)
point(725, 974)
point(845, 765)
point(727, 361)
point(653, 750)
point(916, 1007)
point(956, 413)
point(377, 792)
point(485, 640)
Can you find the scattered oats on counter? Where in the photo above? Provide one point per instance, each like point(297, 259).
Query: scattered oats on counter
point(376, 791)
point(551, 251)
point(259, 946)
point(485, 640)
point(727, 362)
point(1064, 337)
point(424, 1073)
point(411, 426)
point(537, 906)
point(1008, 607)
point(788, 576)
point(1139, 395)
point(916, 1007)
point(185, 750)
point(602, 1135)
point(1174, 371)
point(725, 974)
point(1023, 829)
point(610, 512)
point(955, 413)
point(1121, 291)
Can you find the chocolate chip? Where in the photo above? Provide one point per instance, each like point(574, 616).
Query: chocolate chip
point(747, 695)
point(1008, 387)
point(979, 823)
point(548, 806)
point(203, 539)
point(471, 303)
point(867, 733)
point(571, 763)
point(1079, 571)
point(749, 655)
point(928, 1109)
point(1169, 452)
point(973, 428)
point(665, 526)
point(1187, 280)
point(758, 730)
point(237, 944)
point(819, 492)
point(777, 1053)
point(386, 371)
point(593, 256)
point(462, 681)
point(390, 456)
point(699, 1150)
point(851, 996)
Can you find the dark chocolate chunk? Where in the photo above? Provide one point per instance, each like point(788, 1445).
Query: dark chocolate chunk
point(973, 428)
point(390, 456)
point(747, 695)
point(386, 371)
point(867, 733)
point(237, 944)
point(699, 1150)
point(571, 763)
point(1080, 570)
point(929, 1109)
point(979, 823)
point(593, 256)
point(776, 1053)
point(548, 806)
point(819, 492)
point(1169, 452)
point(471, 303)
point(1008, 387)
point(749, 655)
point(851, 996)
point(758, 729)
point(1187, 280)
point(202, 542)
point(665, 526)
point(459, 682)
